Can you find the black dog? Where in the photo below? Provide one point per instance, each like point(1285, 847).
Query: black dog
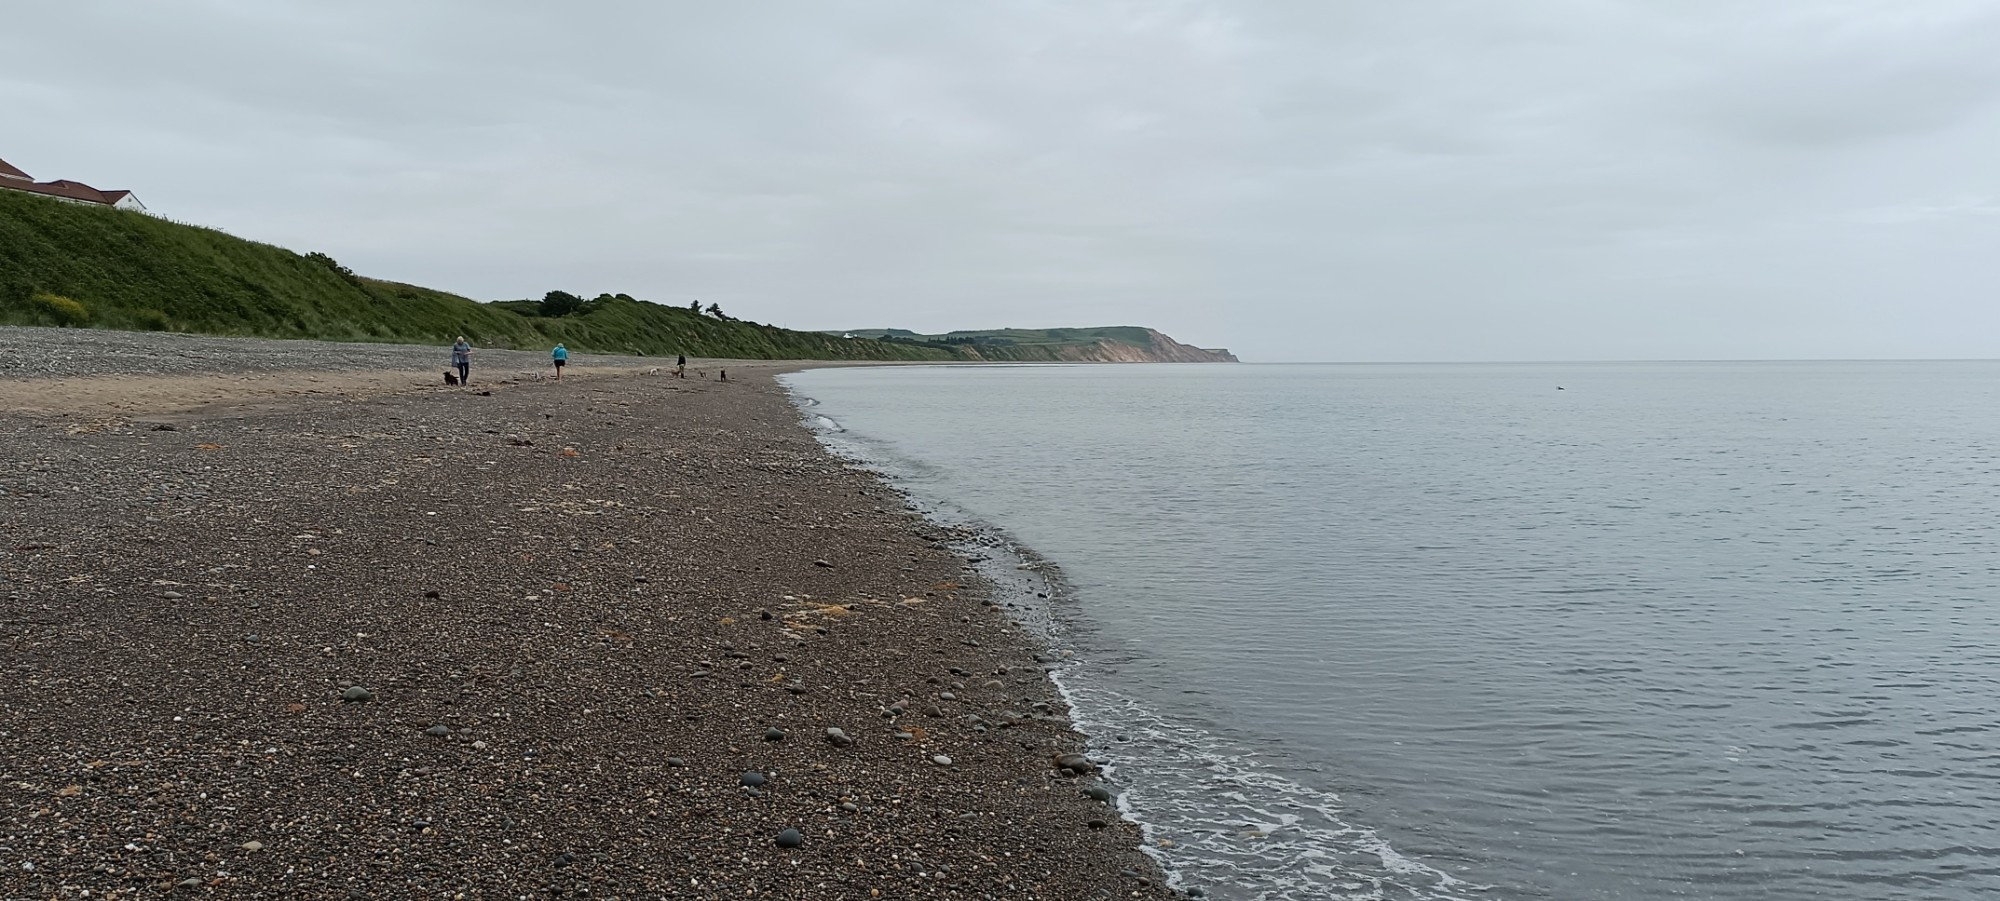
point(451, 378)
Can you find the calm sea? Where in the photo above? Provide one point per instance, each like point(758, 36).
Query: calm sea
point(1617, 631)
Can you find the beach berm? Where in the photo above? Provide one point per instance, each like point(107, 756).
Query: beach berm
point(424, 642)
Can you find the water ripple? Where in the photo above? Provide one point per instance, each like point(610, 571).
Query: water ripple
point(1720, 631)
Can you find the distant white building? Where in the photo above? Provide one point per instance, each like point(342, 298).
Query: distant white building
point(13, 179)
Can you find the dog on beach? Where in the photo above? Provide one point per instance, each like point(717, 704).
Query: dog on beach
point(451, 378)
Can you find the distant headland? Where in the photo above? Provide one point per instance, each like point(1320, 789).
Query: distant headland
point(1104, 344)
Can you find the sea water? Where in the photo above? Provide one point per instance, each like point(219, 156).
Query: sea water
point(1612, 631)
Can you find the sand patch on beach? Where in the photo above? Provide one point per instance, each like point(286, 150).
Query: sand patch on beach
point(139, 395)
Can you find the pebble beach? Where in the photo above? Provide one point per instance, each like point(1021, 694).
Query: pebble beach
point(619, 636)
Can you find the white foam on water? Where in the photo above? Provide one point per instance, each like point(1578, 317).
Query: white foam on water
point(1218, 818)
point(1215, 816)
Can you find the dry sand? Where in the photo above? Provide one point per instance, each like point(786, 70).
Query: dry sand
point(575, 609)
point(116, 396)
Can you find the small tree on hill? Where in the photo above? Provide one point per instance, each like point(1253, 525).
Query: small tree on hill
point(560, 303)
point(329, 263)
point(694, 306)
point(715, 309)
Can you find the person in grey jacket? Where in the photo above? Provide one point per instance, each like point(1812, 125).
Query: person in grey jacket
point(461, 359)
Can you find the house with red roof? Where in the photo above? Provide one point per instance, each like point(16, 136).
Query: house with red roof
point(13, 179)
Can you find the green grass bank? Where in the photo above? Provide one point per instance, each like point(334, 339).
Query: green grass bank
point(65, 264)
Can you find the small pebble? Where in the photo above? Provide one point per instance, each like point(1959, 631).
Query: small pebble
point(790, 838)
point(438, 731)
point(941, 760)
point(356, 694)
point(752, 779)
point(774, 734)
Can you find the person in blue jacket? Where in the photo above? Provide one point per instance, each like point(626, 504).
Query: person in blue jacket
point(561, 356)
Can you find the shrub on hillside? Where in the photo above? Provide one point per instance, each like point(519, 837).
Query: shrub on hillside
point(64, 310)
point(560, 303)
point(150, 320)
point(333, 264)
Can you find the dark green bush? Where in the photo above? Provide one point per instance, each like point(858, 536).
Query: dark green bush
point(560, 303)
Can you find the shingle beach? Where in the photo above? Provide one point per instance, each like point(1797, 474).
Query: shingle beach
point(623, 636)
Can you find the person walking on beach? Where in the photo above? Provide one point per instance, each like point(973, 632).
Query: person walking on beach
point(461, 359)
point(561, 356)
point(680, 366)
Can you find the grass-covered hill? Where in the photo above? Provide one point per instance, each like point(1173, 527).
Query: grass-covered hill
point(67, 264)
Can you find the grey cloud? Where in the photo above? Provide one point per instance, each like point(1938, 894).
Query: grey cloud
point(1865, 78)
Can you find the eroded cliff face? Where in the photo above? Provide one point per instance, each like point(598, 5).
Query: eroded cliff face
point(1161, 349)
point(1167, 350)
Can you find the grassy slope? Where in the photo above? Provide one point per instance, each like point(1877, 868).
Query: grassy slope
point(134, 271)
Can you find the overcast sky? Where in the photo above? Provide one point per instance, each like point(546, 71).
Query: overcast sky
point(1294, 179)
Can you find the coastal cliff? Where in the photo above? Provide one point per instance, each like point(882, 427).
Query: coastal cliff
point(1103, 344)
point(1158, 349)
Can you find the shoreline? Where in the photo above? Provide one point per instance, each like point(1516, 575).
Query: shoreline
point(576, 609)
point(53, 371)
point(1275, 832)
